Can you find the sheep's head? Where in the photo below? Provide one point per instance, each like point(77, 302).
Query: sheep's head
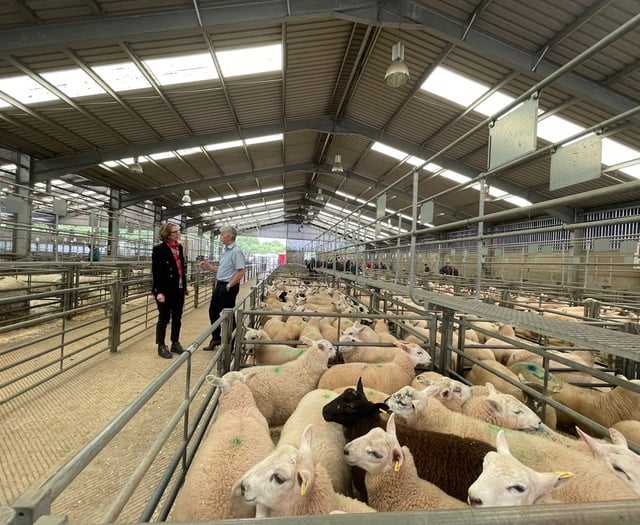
point(283, 477)
point(505, 481)
point(377, 451)
point(406, 401)
point(351, 406)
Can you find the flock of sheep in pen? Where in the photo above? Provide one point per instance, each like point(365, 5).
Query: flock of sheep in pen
point(352, 420)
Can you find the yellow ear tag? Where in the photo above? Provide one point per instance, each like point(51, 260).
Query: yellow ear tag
point(396, 467)
point(563, 475)
point(303, 487)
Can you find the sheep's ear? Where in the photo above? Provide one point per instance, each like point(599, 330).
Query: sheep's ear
point(391, 425)
point(431, 390)
point(554, 480)
point(597, 448)
point(401, 345)
point(304, 480)
point(248, 376)
point(492, 389)
point(502, 446)
point(307, 340)
point(360, 387)
point(425, 380)
point(493, 404)
point(617, 438)
point(306, 439)
point(397, 457)
point(445, 393)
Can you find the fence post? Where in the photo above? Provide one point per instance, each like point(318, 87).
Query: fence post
point(116, 316)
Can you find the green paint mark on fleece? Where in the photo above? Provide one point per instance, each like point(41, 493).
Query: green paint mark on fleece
point(276, 369)
point(236, 442)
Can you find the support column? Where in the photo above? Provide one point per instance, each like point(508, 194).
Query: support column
point(22, 234)
point(114, 222)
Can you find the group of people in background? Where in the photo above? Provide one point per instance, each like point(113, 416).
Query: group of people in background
point(169, 271)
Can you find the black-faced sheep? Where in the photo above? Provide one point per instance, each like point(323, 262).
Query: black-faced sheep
point(453, 472)
point(391, 478)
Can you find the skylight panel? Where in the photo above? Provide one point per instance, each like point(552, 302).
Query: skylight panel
point(454, 87)
point(455, 176)
point(417, 161)
point(247, 193)
point(73, 82)
point(388, 150)
point(9, 168)
point(124, 76)
point(182, 69)
point(555, 129)
point(110, 164)
point(261, 140)
point(251, 60)
point(189, 151)
point(613, 152)
point(223, 145)
point(518, 201)
point(25, 90)
point(161, 156)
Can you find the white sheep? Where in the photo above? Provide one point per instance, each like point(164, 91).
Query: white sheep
point(502, 410)
point(391, 478)
point(362, 332)
point(534, 450)
point(329, 437)
point(616, 456)
point(630, 429)
point(605, 408)
point(373, 354)
point(505, 481)
point(386, 377)
point(236, 440)
point(266, 353)
point(481, 375)
point(288, 482)
point(278, 388)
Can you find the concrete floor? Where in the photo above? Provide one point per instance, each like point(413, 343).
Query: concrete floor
point(42, 429)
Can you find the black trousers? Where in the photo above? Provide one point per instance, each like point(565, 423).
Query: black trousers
point(221, 299)
point(170, 310)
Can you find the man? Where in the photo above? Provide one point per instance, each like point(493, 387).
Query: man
point(448, 269)
point(229, 273)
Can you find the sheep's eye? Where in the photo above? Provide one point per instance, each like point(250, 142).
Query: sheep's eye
point(518, 412)
point(375, 454)
point(618, 468)
point(517, 488)
point(457, 390)
point(277, 478)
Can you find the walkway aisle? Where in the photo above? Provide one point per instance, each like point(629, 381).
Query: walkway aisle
point(41, 430)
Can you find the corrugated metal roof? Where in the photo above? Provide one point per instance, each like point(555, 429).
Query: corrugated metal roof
point(329, 99)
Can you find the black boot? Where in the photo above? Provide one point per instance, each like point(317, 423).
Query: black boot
point(163, 351)
point(176, 348)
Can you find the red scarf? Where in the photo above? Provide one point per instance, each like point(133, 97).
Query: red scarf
point(176, 256)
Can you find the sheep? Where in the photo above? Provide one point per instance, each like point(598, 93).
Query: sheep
point(505, 481)
point(585, 358)
point(281, 330)
point(453, 472)
point(630, 429)
point(266, 353)
point(481, 375)
point(534, 450)
point(381, 327)
point(288, 482)
point(605, 408)
point(391, 478)
point(386, 377)
point(616, 456)
point(237, 439)
point(362, 332)
point(312, 329)
point(329, 438)
point(278, 388)
point(372, 354)
point(502, 410)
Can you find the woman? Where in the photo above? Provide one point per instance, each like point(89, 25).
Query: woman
point(169, 287)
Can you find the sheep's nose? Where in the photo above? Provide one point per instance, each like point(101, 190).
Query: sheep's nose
point(346, 449)
point(243, 487)
point(475, 502)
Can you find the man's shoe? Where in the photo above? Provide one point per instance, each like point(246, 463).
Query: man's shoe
point(212, 345)
point(163, 351)
point(176, 348)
